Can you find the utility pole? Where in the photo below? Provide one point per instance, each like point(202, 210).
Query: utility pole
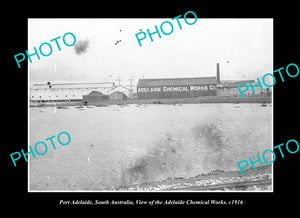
point(119, 79)
point(131, 79)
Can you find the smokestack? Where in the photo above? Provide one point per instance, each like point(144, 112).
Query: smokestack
point(218, 73)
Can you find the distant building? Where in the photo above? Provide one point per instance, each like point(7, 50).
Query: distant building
point(117, 96)
point(94, 96)
point(176, 87)
point(229, 88)
point(67, 91)
point(128, 92)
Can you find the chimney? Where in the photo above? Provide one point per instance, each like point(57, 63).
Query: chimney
point(218, 73)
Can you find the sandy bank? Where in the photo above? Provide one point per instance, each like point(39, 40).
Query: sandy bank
point(218, 180)
point(206, 99)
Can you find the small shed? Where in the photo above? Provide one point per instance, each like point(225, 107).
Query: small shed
point(117, 96)
point(94, 96)
point(128, 92)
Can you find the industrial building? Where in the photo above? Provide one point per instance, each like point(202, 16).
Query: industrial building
point(176, 87)
point(67, 91)
point(192, 87)
point(128, 92)
point(229, 88)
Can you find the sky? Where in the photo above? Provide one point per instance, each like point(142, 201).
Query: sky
point(243, 47)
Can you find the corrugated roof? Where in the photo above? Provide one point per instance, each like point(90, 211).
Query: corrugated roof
point(74, 85)
point(177, 81)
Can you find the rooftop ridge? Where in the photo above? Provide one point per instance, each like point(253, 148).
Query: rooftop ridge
point(72, 83)
point(183, 78)
point(178, 81)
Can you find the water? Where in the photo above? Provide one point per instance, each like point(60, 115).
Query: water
point(125, 145)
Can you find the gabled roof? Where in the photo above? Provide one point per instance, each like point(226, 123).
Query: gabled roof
point(177, 81)
point(119, 86)
point(74, 85)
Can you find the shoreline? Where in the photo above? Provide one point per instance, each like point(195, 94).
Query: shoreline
point(199, 100)
point(217, 180)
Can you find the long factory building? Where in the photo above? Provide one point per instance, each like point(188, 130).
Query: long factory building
point(178, 87)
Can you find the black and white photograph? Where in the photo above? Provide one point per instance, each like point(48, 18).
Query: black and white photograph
point(150, 104)
point(140, 107)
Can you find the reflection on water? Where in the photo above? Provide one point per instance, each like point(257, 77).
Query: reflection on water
point(132, 144)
